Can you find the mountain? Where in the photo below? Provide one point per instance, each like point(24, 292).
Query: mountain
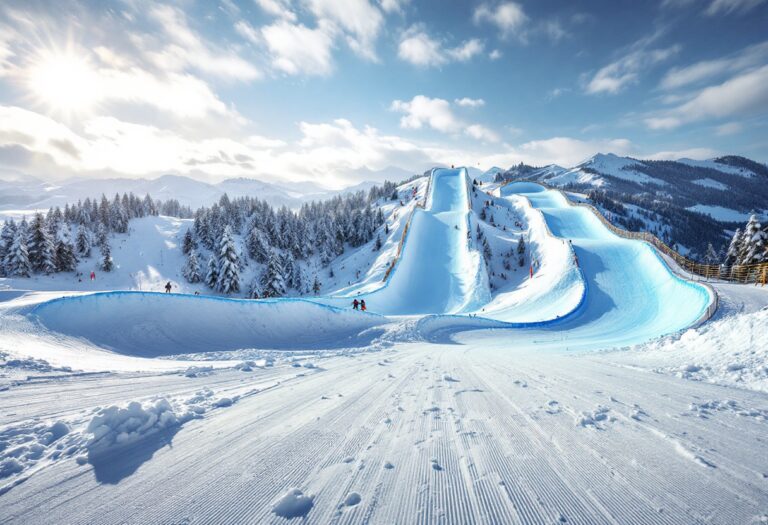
point(21, 192)
point(688, 202)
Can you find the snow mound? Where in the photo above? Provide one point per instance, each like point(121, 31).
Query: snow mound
point(293, 504)
point(117, 426)
point(151, 324)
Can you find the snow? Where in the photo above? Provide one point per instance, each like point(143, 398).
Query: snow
point(711, 183)
point(724, 168)
point(600, 405)
point(720, 213)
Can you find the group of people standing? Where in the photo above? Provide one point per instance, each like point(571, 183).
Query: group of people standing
point(359, 305)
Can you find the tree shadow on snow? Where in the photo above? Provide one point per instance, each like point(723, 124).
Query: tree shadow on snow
point(114, 465)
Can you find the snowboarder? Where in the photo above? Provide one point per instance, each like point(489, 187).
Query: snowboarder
point(362, 305)
point(93, 276)
point(168, 287)
point(355, 304)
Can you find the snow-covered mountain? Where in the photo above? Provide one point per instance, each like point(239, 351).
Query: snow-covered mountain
point(22, 192)
point(689, 202)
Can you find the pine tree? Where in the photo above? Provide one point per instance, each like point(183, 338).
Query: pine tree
point(257, 245)
point(521, 246)
point(189, 242)
point(254, 290)
point(212, 275)
point(102, 235)
point(83, 242)
point(229, 267)
point(66, 260)
point(192, 268)
point(487, 253)
point(107, 264)
point(754, 243)
point(18, 264)
point(41, 248)
point(711, 255)
point(316, 286)
point(732, 256)
point(273, 282)
point(377, 245)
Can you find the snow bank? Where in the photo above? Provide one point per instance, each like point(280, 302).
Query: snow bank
point(152, 324)
point(293, 504)
point(731, 351)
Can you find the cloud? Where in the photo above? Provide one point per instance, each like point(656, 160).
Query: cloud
point(278, 8)
point(420, 49)
point(479, 132)
point(729, 128)
point(732, 6)
point(508, 17)
point(495, 54)
point(691, 153)
point(393, 6)
point(423, 111)
point(744, 94)
point(751, 56)
point(247, 31)
point(626, 70)
point(470, 102)
point(361, 21)
point(436, 113)
point(185, 49)
point(297, 49)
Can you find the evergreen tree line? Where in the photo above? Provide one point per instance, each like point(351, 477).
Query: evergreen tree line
point(748, 246)
point(282, 240)
point(45, 245)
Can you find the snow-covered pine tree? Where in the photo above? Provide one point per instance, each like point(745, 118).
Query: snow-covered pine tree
point(102, 235)
point(40, 246)
point(189, 242)
point(754, 242)
point(273, 281)
point(521, 246)
point(17, 263)
point(212, 273)
point(83, 242)
point(66, 260)
point(377, 245)
point(229, 266)
point(254, 289)
point(192, 268)
point(316, 285)
point(732, 256)
point(107, 264)
point(711, 256)
point(487, 252)
point(257, 245)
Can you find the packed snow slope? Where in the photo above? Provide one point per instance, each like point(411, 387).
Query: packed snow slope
point(632, 296)
point(149, 324)
point(438, 272)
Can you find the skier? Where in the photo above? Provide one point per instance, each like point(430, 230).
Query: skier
point(355, 304)
point(362, 305)
point(168, 287)
point(93, 276)
point(531, 271)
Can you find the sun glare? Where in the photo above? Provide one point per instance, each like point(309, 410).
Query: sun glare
point(63, 81)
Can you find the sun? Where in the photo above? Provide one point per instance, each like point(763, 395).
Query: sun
point(64, 81)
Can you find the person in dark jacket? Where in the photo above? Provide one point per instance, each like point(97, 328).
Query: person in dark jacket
point(362, 305)
point(168, 287)
point(355, 304)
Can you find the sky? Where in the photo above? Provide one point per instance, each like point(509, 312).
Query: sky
point(338, 92)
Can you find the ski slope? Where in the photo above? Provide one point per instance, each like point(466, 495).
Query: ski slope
point(438, 272)
point(631, 295)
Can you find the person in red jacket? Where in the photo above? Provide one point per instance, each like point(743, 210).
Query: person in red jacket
point(355, 304)
point(93, 276)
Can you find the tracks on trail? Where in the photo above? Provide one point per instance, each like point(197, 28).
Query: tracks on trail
point(435, 434)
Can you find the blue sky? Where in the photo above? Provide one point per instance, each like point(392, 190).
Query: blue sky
point(332, 91)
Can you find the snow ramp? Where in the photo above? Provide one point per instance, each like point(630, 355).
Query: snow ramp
point(438, 272)
point(632, 295)
point(149, 324)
